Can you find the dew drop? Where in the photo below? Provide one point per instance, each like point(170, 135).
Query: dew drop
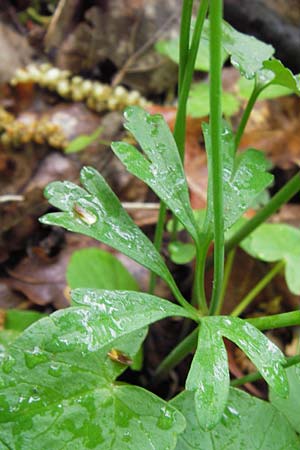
point(35, 357)
point(8, 364)
point(165, 420)
point(55, 370)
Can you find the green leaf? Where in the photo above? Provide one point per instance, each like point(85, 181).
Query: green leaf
point(290, 406)
point(276, 73)
point(209, 373)
point(245, 88)
point(170, 48)
point(247, 54)
point(260, 350)
point(96, 268)
point(97, 212)
point(244, 176)
point(198, 102)
point(181, 253)
point(161, 167)
point(15, 321)
point(7, 337)
point(209, 377)
point(276, 242)
point(18, 320)
point(58, 389)
point(83, 141)
point(99, 269)
point(133, 307)
point(247, 424)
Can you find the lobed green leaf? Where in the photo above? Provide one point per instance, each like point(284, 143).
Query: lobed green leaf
point(161, 167)
point(97, 212)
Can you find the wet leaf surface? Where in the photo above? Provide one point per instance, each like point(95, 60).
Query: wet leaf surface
point(97, 212)
point(209, 372)
point(247, 53)
point(208, 377)
point(290, 406)
point(161, 168)
point(245, 177)
point(241, 426)
point(71, 346)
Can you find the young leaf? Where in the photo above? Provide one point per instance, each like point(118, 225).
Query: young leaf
point(247, 424)
point(209, 377)
point(58, 389)
point(161, 168)
point(245, 177)
point(276, 73)
point(198, 102)
point(96, 268)
point(263, 353)
point(276, 242)
point(181, 253)
point(83, 141)
point(290, 406)
point(97, 212)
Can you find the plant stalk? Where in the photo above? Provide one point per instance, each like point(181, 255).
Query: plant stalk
point(288, 319)
point(227, 272)
point(216, 9)
point(289, 362)
point(157, 241)
point(257, 289)
point(246, 114)
point(199, 296)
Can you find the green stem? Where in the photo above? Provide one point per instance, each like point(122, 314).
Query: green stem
point(251, 102)
point(185, 85)
point(177, 355)
point(257, 289)
point(180, 123)
point(291, 361)
point(216, 147)
point(199, 285)
point(227, 272)
point(157, 241)
point(288, 319)
point(281, 197)
point(185, 27)
point(194, 314)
